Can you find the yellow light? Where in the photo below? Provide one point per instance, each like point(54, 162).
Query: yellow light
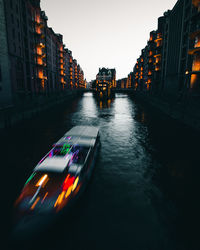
point(69, 190)
point(59, 199)
point(41, 180)
point(75, 184)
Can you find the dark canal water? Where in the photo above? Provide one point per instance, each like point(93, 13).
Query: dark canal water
point(144, 192)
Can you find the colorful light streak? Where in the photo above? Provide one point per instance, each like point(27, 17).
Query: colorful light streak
point(42, 181)
point(30, 178)
point(68, 182)
point(75, 184)
point(65, 149)
point(35, 203)
point(44, 197)
point(69, 185)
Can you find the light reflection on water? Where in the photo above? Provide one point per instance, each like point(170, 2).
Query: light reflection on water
point(120, 193)
point(135, 194)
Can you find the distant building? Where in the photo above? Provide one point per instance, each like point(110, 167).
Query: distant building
point(122, 83)
point(108, 75)
point(105, 82)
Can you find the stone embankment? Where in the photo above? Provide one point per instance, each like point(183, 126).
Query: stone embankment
point(28, 109)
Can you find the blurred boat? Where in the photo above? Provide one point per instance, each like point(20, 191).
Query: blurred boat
point(60, 176)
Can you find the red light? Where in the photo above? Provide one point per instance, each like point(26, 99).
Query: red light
point(68, 182)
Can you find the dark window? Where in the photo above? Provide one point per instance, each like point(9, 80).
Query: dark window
point(0, 74)
point(11, 4)
point(13, 33)
point(27, 69)
point(28, 83)
point(14, 47)
point(12, 18)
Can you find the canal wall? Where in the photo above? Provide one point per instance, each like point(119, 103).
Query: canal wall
point(30, 108)
point(185, 109)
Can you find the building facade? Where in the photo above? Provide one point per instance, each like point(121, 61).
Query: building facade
point(169, 65)
point(38, 63)
point(5, 80)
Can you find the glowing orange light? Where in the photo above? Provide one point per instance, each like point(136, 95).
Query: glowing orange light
point(39, 50)
point(39, 61)
point(40, 74)
point(193, 80)
point(44, 197)
point(69, 190)
point(59, 199)
point(42, 181)
point(35, 203)
point(38, 30)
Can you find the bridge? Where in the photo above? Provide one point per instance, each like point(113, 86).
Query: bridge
point(115, 90)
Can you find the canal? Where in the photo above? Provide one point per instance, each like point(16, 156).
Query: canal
point(144, 192)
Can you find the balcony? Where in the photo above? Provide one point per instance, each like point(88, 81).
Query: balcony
point(157, 55)
point(42, 77)
point(194, 51)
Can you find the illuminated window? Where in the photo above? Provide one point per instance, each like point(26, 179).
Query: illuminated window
point(157, 59)
point(38, 30)
point(39, 61)
point(197, 42)
point(40, 73)
point(196, 63)
point(39, 50)
point(159, 43)
point(37, 19)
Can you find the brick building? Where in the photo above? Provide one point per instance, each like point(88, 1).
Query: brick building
point(170, 64)
point(37, 62)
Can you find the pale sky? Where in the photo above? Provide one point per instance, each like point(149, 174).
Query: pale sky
point(105, 33)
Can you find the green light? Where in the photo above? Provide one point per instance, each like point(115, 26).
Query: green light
point(65, 149)
point(31, 177)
